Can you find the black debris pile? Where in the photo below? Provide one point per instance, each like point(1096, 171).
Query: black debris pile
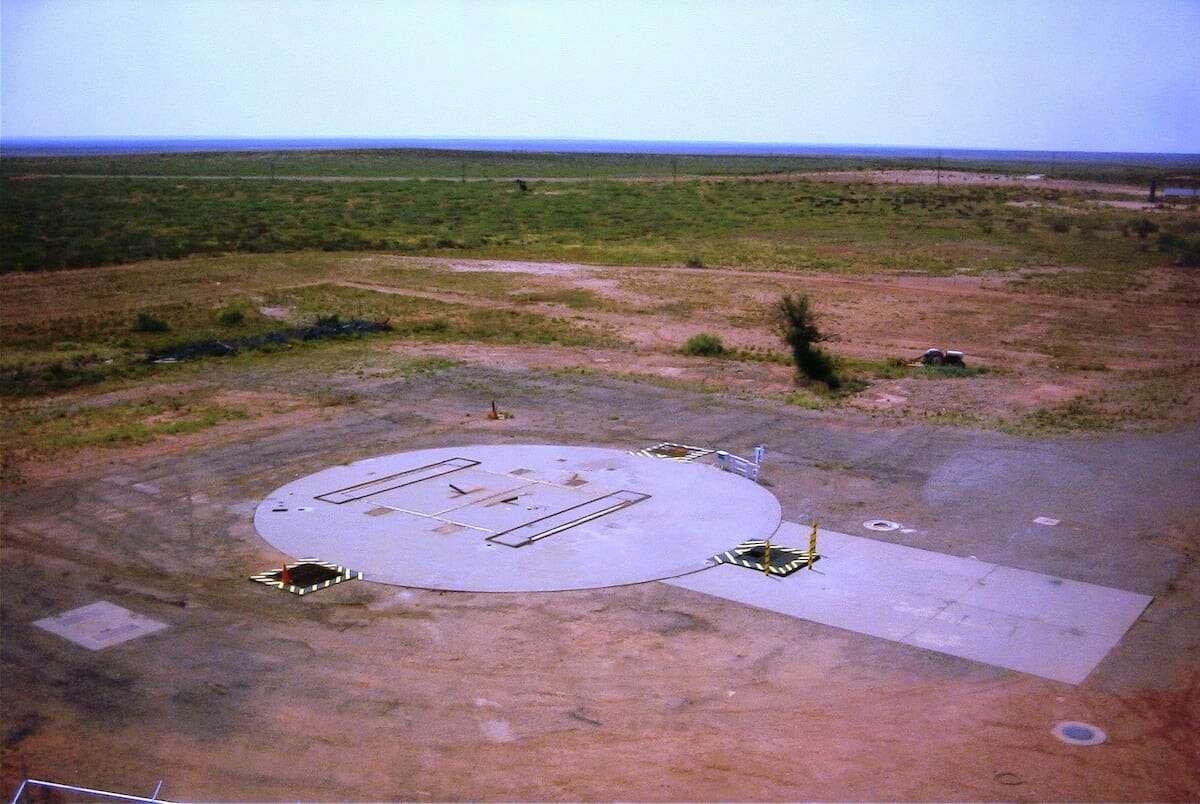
point(324, 328)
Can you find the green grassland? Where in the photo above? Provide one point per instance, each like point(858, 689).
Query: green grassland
point(434, 163)
point(65, 222)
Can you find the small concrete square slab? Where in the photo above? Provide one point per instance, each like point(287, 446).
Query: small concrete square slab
point(99, 625)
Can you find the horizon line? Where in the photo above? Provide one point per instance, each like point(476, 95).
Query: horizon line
point(759, 144)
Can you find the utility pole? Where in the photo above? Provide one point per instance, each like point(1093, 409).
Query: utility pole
point(939, 169)
point(464, 172)
point(674, 170)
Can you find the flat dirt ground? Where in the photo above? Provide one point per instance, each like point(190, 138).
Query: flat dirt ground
point(371, 692)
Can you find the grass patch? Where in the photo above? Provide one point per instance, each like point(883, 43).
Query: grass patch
point(438, 321)
point(804, 398)
point(49, 223)
point(704, 344)
point(455, 164)
point(90, 342)
point(1073, 416)
point(575, 298)
point(149, 323)
point(67, 427)
point(432, 364)
point(231, 316)
point(894, 368)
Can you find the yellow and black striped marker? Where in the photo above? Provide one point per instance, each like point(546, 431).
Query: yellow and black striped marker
point(336, 574)
point(673, 452)
point(767, 558)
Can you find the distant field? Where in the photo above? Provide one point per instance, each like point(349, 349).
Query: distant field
point(1075, 306)
point(828, 227)
point(424, 163)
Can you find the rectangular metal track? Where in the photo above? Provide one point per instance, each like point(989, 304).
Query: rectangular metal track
point(567, 518)
point(398, 480)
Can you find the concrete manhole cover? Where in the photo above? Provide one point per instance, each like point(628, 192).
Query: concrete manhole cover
point(1073, 732)
point(881, 524)
point(516, 518)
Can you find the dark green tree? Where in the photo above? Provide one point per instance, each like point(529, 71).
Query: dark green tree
point(796, 324)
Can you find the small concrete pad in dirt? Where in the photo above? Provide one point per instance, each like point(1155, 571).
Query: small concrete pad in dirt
point(1038, 624)
point(99, 625)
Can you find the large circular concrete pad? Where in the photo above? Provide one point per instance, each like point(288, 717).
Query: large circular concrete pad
point(516, 518)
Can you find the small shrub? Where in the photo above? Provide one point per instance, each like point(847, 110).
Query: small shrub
point(1186, 249)
point(1144, 227)
point(1189, 256)
point(1060, 225)
point(231, 316)
point(705, 345)
point(694, 262)
point(1169, 241)
point(148, 323)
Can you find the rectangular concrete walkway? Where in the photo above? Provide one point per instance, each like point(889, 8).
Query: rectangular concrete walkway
point(1050, 627)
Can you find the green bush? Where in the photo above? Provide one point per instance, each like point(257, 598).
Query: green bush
point(796, 324)
point(694, 262)
point(705, 345)
point(148, 323)
point(1186, 249)
point(1189, 256)
point(1144, 227)
point(231, 316)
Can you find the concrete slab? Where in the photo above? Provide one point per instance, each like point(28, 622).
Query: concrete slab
point(403, 536)
point(530, 502)
point(1038, 624)
point(449, 492)
point(99, 625)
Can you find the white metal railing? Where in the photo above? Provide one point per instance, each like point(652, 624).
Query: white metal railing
point(741, 466)
point(87, 791)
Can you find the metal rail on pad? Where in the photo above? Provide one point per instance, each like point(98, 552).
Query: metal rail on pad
point(398, 480)
point(567, 518)
point(29, 784)
point(740, 466)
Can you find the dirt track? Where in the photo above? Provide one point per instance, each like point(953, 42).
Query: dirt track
point(369, 692)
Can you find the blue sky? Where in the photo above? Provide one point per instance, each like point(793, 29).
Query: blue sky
point(1122, 76)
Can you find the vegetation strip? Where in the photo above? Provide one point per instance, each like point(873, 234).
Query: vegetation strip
point(326, 327)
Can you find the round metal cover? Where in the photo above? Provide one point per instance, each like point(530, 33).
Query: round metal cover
point(1073, 732)
point(881, 524)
